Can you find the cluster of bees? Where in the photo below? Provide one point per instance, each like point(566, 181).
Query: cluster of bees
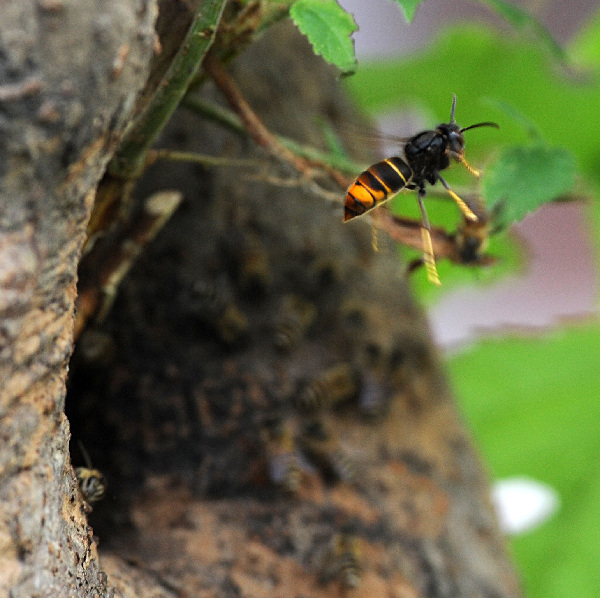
point(286, 448)
point(293, 433)
point(238, 305)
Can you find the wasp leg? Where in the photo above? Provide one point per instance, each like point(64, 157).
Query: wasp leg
point(374, 226)
point(464, 208)
point(428, 255)
point(472, 170)
point(374, 242)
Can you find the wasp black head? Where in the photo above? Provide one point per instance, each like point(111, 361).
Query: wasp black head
point(455, 142)
point(453, 134)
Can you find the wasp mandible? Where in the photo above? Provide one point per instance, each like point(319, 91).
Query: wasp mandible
point(426, 154)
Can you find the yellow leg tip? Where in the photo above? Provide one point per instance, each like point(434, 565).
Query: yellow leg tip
point(429, 258)
point(374, 239)
point(472, 170)
point(464, 208)
point(433, 277)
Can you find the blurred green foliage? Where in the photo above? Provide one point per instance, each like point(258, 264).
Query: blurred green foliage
point(532, 402)
point(482, 66)
point(409, 8)
point(510, 80)
point(533, 405)
point(522, 178)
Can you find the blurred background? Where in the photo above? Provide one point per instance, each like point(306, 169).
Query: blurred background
point(559, 280)
point(522, 338)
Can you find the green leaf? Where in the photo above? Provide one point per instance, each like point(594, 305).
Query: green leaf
point(328, 27)
point(488, 71)
point(533, 405)
point(479, 64)
point(524, 177)
point(521, 19)
point(585, 48)
point(409, 7)
point(527, 123)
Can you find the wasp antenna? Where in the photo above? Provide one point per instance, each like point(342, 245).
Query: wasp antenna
point(86, 457)
point(452, 121)
point(485, 124)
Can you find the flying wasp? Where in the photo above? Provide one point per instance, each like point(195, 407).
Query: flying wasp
point(426, 154)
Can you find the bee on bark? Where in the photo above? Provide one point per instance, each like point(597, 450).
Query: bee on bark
point(426, 154)
point(322, 274)
point(325, 451)
point(96, 347)
point(332, 386)
point(283, 467)
point(293, 319)
point(373, 363)
point(212, 303)
point(374, 395)
point(92, 483)
point(343, 561)
point(250, 262)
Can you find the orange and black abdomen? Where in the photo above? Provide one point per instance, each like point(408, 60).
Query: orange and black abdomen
point(375, 185)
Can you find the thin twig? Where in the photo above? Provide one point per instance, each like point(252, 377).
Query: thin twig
point(255, 127)
point(130, 158)
point(246, 21)
point(97, 291)
point(296, 182)
point(203, 159)
point(316, 157)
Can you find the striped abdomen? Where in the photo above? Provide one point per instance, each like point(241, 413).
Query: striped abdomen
point(375, 185)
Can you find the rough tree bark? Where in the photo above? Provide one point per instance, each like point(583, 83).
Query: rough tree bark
point(177, 394)
point(65, 98)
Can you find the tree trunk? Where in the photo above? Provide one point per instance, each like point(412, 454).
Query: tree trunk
point(64, 105)
point(226, 476)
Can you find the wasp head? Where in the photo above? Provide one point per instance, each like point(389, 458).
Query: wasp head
point(453, 134)
point(454, 140)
